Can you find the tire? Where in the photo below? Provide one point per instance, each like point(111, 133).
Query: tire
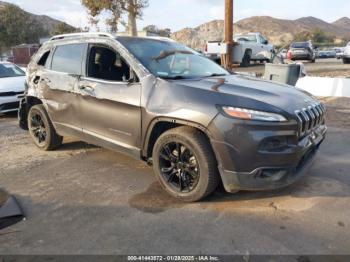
point(246, 59)
point(346, 61)
point(196, 174)
point(41, 129)
point(313, 61)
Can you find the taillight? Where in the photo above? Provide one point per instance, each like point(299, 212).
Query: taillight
point(289, 55)
point(206, 48)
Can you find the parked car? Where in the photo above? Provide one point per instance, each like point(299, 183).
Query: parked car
point(249, 47)
point(302, 51)
point(339, 52)
point(164, 103)
point(346, 56)
point(326, 54)
point(12, 80)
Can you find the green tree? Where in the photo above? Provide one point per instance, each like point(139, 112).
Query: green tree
point(18, 27)
point(62, 28)
point(166, 32)
point(320, 36)
point(303, 36)
point(116, 10)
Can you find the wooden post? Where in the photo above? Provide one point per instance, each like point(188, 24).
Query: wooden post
point(228, 34)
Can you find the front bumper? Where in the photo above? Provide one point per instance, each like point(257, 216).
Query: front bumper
point(9, 103)
point(245, 163)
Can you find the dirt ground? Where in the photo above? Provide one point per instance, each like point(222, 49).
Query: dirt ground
point(83, 199)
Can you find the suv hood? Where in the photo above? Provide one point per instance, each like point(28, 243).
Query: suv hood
point(254, 93)
point(12, 84)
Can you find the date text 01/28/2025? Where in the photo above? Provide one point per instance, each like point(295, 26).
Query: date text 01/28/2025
point(173, 258)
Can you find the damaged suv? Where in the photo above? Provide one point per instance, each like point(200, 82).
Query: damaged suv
point(164, 103)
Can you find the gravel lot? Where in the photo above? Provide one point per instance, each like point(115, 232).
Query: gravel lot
point(83, 199)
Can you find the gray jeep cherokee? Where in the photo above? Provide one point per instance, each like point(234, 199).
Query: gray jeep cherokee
point(164, 103)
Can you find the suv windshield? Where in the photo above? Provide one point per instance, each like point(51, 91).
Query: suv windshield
point(300, 45)
point(10, 70)
point(171, 60)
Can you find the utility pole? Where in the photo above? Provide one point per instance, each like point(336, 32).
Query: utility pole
point(227, 58)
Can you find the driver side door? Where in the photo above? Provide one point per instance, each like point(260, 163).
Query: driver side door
point(110, 96)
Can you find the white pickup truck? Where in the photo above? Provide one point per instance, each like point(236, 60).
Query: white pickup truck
point(248, 47)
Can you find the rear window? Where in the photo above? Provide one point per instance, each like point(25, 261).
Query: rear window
point(68, 59)
point(300, 45)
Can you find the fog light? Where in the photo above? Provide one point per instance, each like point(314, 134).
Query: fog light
point(272, 174)
point(274, 144)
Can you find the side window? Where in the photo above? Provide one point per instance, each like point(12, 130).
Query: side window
point(68, 59)
point(106, 64)
point(43, 61)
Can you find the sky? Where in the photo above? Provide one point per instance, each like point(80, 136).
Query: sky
point(177, 14)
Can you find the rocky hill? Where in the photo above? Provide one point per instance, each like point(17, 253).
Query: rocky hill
point(343, 22)
point(47, 22)
point(278, 31)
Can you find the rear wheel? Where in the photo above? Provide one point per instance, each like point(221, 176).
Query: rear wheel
point(346, 61)
point(185, 164)
point(246, 59)
point(41, 129)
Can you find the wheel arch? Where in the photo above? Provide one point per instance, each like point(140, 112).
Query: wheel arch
point(25, 105)
point(162, 124)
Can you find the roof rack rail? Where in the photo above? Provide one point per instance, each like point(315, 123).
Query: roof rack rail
point(60, 37)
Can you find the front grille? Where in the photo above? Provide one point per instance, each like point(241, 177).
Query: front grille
point(310, 117)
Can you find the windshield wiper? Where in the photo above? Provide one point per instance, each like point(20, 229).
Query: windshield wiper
point(176, 77)
point(166, 53)
point(213, 75)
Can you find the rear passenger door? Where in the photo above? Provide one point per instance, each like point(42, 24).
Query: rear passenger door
point(110, 95)
point(61, 87)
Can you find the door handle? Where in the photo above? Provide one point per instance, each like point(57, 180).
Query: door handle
point(86, 88)
point(45, 80)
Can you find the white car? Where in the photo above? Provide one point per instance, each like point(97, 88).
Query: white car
point(12, 86)
point(248, 47)
point(346, 55)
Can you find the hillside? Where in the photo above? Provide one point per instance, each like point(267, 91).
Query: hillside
point(343, 22)
point(278, 31)
point(47, 22)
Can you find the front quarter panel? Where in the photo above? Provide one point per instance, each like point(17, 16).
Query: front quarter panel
point(175, 101)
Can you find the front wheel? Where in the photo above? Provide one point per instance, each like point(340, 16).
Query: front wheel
point(185, 164)
point(346, 61)
point(41, 129)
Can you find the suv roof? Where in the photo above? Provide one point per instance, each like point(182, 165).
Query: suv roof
point(99, 34)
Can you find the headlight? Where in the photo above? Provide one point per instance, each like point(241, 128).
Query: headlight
point(247, 114)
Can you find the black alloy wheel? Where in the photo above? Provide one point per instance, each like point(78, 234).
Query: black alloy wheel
point(42, 130)
point(185, 164)
point(179, 167)
point(38, 129)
